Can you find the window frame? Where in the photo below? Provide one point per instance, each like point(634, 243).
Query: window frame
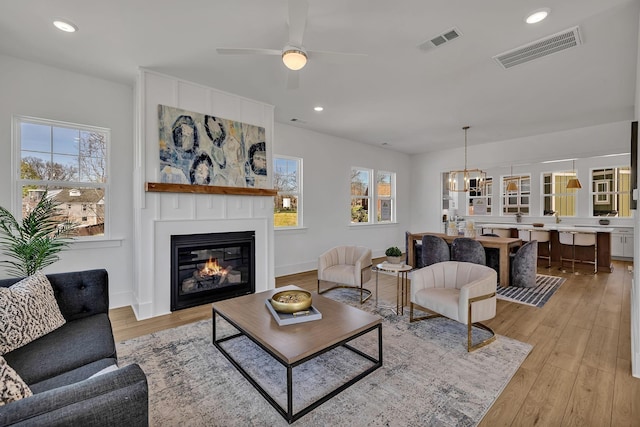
point(298, 193)
point(566, 193)
point(487, 196)
point(380, 199)
point(610, 194)
point(368, 197)
point(519, 195)
point(17, 182)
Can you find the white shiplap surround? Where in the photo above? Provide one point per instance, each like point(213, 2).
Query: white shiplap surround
point(157, 216)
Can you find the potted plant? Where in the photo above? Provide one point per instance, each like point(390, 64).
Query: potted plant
point(394, 255)
point(34, 243)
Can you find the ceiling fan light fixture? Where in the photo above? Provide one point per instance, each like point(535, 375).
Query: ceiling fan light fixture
point(537, 16)
point(294, 59)
point(64, 25)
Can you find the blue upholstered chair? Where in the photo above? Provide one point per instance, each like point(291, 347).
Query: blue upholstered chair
point(434, 249)
point(524, 265)
point(468, 250)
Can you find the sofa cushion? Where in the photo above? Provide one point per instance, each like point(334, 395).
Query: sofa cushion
point(75, 375)
point(75, 344)
point(13, 387)
point(28, 310)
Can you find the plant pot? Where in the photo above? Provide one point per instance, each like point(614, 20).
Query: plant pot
point(395, 259)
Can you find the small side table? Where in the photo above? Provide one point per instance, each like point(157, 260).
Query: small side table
point(402, 287)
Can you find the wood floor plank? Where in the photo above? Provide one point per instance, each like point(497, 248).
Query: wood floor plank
point(591, 399)
point(569, 350)
point(547, 400)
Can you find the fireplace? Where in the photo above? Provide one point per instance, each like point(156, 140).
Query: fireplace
point(211, 267)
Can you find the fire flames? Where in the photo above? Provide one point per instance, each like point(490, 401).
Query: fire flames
point(211, 268)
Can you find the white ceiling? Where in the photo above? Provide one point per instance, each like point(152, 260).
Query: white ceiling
point(413, 100)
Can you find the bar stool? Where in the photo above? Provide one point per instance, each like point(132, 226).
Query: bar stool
point(578, 238)
point(542, 236)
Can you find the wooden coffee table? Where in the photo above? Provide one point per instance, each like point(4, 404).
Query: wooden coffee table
point(292, 345)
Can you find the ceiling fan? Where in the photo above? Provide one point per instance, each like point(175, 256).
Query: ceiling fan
point(293, 54)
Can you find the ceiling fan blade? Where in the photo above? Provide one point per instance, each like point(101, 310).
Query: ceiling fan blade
point(325, 53)
point(297, 21)
point(293, 79)
point(247, 51)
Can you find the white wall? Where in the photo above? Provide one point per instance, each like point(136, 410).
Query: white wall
point(40, 91)
point(497, 157)
point(327, 163)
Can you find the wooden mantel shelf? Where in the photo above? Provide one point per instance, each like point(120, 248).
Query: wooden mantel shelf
point(158, 187)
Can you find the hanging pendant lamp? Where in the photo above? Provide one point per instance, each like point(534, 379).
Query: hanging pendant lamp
point(574, 183)
point(511, 185)
point(459, 180)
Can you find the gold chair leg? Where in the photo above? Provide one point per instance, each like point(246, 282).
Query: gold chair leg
point(470, 346)
point(363, 291)
point(428, 316)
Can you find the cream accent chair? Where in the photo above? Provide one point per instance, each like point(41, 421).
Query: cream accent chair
point(348, 266)
point(459, 291)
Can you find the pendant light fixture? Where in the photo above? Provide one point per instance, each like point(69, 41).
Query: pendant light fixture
point(511, 184)
point(574, 183)
point(459, 180)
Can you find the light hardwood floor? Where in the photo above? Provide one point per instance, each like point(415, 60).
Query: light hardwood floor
point(578, 373)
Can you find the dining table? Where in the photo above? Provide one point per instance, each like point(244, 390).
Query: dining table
point(504, 245)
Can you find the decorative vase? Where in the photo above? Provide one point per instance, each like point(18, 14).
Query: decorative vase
point(395, 259)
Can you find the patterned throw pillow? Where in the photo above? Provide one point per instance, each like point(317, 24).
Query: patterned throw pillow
point(13, 388)
point(28, 310)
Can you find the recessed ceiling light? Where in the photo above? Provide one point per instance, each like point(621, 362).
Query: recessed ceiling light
point(318, 108)
point(537, 15)
point(65, 26)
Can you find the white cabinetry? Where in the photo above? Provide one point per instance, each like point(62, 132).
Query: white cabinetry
point(622, 243)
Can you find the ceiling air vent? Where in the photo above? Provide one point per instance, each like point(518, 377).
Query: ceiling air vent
point(539, 48)
point(440, 39)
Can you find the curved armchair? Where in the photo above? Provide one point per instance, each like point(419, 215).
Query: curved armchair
point(461, 291)
point(524, 265)
point(348, 266)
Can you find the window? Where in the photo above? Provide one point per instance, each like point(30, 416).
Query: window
point(287, 179)
point(480, 198)
point(360, 195)
point(611, 190)
point(516, 201)
point(68, 162)
point(385, 194)
point(556, 197)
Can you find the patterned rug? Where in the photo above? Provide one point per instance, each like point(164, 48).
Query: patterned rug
point(427, 377)
point(537, 296)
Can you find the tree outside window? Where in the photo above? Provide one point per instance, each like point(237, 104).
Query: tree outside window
point(288, 202)
point(360, 195)
point(68, 162)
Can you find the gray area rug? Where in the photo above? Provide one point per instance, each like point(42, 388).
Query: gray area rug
point(536, 296)
point(427, 377)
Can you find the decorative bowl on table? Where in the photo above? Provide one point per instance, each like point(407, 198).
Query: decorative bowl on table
point(291, 301)
point(538, 224)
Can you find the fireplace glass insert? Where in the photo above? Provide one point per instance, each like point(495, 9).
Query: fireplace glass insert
point(211, 267)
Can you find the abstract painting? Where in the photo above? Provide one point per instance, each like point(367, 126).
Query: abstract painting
point(201, 149)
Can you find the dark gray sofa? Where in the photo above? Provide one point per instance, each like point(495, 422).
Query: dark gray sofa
point(58, 365)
